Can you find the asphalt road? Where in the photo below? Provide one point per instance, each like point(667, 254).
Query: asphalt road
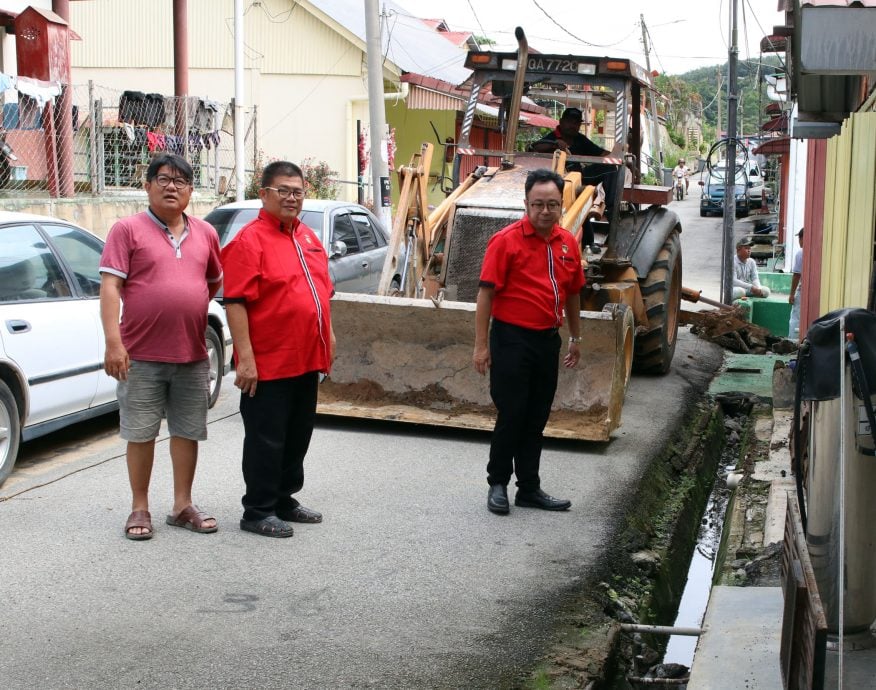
point(409, 582)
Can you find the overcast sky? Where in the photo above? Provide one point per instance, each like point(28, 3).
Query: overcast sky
point(684, 35)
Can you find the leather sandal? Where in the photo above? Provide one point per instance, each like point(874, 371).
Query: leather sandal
point(271, 526)
point(193, 519)
point(142, 519)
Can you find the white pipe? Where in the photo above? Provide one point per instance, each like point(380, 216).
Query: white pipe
point(842, 496)
point(239, 143)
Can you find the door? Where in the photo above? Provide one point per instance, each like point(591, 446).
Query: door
point(80, 255)
point(46, 331)
point(348, 269)
point(373, 249)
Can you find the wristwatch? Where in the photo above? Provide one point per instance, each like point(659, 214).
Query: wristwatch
point(574, 339)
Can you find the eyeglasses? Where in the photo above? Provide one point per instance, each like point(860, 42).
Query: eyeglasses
point(285, 192)
point(178, 182)
point(539, 206)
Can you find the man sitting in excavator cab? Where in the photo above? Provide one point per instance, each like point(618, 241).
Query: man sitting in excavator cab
point(567, 137)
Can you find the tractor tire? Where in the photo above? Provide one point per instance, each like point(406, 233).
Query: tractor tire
point(661, 291)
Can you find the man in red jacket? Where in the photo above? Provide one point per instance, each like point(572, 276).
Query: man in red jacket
point(277, 291)
point(531, 272)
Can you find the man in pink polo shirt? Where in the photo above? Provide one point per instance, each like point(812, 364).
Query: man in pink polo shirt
point(165, 267)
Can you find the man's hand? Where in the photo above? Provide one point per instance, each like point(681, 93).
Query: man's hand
point(246, 377)
point(791, 298)
point(757, 292)
point(116, 362)
point(572, 356)
point(481, 359)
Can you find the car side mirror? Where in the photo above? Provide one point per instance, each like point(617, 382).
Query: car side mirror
point(750, 183)
point(339, 249)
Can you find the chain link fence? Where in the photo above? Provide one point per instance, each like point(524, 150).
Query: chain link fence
point(113, 135)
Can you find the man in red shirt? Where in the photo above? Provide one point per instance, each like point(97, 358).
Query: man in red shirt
point(531, 272)
point(277, 291)
point(165, 266)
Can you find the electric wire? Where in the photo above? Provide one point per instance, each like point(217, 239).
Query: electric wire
point(577, 38)
point(475, 15)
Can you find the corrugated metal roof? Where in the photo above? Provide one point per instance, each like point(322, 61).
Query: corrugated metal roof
point(838, 3)
point(407, 40)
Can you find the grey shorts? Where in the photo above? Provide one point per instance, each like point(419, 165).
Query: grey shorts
point(158, 389)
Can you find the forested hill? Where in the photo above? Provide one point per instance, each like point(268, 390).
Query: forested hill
point(697, 92)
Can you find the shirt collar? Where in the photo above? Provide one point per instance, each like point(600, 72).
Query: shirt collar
point(160, 223)
point(274, 222)
point(529, 229)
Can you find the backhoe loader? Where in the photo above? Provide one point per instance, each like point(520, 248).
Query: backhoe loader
point(408, 356)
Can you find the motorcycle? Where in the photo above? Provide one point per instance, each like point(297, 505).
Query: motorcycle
point(7, 159)
point(679, 188)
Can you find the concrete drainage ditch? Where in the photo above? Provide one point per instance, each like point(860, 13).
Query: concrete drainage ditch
point(658, 575)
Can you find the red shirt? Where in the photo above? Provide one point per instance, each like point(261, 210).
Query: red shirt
point(531, 275)
point(281, 274)
point(165, 294)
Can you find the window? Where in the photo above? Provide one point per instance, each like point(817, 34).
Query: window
point(28, 269)
point(344, 231)
point(81, 252)
point(368, 236)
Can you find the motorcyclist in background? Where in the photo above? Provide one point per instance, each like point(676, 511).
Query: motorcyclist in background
point(681, 171)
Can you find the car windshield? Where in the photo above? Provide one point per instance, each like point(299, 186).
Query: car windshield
point(719, 173)
point(229, 221)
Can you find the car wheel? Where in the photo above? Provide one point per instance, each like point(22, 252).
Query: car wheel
point(215, 359)
point(395, 287)
point(10, 431)
point(703, 214)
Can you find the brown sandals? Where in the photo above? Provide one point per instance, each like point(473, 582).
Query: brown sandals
point(139, 518)
point(192, 518)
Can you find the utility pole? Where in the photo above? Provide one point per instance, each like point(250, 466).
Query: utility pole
point(655, 123)
point(382, 198)
point(239, 136)
point(730, 169)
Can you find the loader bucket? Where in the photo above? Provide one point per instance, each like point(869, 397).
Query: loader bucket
point(406, 360)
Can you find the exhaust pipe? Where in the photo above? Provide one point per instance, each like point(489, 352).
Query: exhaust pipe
point(516, 97)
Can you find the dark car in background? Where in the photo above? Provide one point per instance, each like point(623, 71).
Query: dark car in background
point(712, 200)
point(354, 239)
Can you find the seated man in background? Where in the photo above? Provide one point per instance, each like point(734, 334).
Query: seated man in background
point(567, 137)
point(746, 282)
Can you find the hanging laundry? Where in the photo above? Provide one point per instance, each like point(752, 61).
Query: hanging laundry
point(155, 113)
point(195, 143)
point(132, 106)
point(41, 91)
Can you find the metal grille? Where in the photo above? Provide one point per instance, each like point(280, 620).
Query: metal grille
point(114, 136)
point(472, 229)
point(804, 627)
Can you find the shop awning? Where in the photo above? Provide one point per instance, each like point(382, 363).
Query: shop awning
point(774, 147)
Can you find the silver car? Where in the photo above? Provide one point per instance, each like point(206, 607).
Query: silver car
point(354, 239)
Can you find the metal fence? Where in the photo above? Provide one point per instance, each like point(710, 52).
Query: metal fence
point(114, 136)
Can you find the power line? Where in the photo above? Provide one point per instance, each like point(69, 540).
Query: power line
point(577, 38)
point(475, 15)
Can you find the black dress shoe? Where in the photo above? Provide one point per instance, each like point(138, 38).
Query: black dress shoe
point(539, 499)
point(497, 500)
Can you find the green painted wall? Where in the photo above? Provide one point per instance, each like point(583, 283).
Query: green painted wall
point(412, 129)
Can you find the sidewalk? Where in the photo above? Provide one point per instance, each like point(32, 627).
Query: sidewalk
point(739, 648)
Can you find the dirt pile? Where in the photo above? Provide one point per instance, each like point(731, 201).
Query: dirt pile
point(729, 329)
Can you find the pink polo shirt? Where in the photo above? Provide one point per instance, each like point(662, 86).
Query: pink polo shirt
point(165, 294)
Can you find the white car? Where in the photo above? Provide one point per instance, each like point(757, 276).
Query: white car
point(51, 338)
point(755, 184)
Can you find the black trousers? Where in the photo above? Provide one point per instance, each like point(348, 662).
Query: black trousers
point(523, 381)
point(278, 422)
